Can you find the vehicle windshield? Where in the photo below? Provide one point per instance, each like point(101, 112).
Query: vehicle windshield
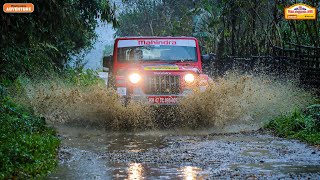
point(156, 52)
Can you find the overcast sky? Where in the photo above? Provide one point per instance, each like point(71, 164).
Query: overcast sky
point(105, 36)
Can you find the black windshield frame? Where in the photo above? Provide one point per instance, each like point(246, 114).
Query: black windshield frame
point(166, 53)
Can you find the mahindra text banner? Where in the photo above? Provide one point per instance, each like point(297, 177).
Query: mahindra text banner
point(156, 42)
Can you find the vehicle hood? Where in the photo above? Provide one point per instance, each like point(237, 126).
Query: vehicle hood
point(169, 67)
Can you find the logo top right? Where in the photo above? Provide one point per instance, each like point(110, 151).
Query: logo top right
point(300, 12)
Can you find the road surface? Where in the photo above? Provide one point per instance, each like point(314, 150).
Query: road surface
point(93, 153)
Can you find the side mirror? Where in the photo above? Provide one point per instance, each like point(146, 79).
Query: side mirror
point(107, 63)
point(205, 58)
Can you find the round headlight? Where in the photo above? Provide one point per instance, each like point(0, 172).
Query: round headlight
point(189, 78)
point(134, 78)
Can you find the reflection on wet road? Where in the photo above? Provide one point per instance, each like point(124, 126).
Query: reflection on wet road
point(91, 167)
point(81, 156)
point(89, 153)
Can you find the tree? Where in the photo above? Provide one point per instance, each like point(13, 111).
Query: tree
point(155, 18)
point(46, 39)
point(245, 28)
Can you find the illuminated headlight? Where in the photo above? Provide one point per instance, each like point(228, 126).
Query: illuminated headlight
point(189, 78)
point(134, 78)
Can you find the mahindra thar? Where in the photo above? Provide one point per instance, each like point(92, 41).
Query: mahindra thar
point(156, 70)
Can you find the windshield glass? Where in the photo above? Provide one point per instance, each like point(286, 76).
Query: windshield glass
point(156, 50)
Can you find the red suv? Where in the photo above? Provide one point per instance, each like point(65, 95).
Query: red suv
point(156, 70)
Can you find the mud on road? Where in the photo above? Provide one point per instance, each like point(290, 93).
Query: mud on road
point(89, 153)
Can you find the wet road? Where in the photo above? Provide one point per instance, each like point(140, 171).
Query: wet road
point(91, 153)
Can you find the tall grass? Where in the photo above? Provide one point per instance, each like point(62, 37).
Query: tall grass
point(299, 124)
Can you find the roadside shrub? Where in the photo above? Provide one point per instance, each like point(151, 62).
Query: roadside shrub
point(81, 77)
point(299, 124)
point(28, 148)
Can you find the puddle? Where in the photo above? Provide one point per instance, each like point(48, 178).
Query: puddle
point(153, 171)
point(99, 140)
point(98, 169)
point(282, 168)
point(82, 158)
point(93, 153)
point(134, 143)
point(256, 152)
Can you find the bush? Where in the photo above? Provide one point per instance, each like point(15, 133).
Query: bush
point(300, 124)
point(28, 148)
point(81, 77)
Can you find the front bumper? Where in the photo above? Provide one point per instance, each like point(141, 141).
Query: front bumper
point(138, 95)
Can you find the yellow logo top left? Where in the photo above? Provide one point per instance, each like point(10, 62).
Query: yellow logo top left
point(18, 7)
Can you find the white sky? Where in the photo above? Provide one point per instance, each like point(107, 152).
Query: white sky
point(105, 36)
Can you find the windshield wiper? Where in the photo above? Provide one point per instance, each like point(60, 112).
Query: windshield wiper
point(166, 61)
point(152, 60)
point(180, 60)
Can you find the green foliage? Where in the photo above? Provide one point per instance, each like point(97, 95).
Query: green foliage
point(72, 77)
point(155, 18)
point(228, 27)
point(300, 125)
point(245, 28)
point(28, 148)
point(80, 77)
point(44, 40)
point(207, 25)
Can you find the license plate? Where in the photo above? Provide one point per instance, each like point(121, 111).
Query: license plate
point(163, 99)
point(122, 91)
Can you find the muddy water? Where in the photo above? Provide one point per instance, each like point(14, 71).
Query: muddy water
point(233, 103)
point(82, 156)
point(230, 100)
point(93, 153)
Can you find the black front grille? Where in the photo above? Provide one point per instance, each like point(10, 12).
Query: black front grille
point(163, 84)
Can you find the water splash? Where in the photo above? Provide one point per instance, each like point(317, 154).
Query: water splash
point(95, 105)
point(242, 99)
point(232, 100)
